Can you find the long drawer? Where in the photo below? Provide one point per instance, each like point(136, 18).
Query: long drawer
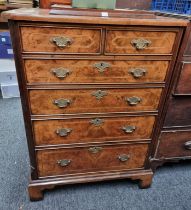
point(92, 71)
point(56, 162)
point(174, 144)
point(69, 131)
point(139, 42)
point(93, 100)
point(61, 40)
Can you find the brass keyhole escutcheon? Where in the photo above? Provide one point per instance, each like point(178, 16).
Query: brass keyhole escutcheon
point(97, 122)
point(95, 150)
point(102, 66)
point(99, 94)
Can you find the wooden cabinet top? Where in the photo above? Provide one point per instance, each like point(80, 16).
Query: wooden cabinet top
point(73, 16)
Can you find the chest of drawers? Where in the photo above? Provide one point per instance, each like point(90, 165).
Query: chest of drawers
point(93, 91)
point(174, 140)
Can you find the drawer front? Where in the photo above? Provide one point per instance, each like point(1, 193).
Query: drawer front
point(184, 83)
point(179, 112)
point(174, 144)
point(71, 131)
point(92, 159)
point(93, 100)
point(89, 71)
point(139, 42)
point(61, 40)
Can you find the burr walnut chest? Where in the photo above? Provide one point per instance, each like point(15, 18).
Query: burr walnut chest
point(93, 93)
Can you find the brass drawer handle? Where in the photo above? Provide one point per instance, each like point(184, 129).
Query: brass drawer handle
point(99, 94)
point(61, 73)
point(64, 163)
point(63, 132)
point(129, 128)
point(97, 122)
point(95, 150)
point(187, 145)
point(62, 103)
point(62, 41)
point(133, 101)
point(140, 44)
point(102, 66)
point(138, 72)
point(123, 158)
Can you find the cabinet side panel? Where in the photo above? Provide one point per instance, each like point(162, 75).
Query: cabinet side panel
point(16, 42)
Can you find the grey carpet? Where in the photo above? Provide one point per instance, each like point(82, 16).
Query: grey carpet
point(171, 188)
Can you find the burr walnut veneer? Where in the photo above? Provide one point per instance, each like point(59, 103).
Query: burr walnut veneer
point(93, 92)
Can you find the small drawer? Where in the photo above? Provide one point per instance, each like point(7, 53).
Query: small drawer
point(55, 162)
point(184, 82)
point(139, 42)
point(174, 144)
point(61, 40)
point(93, 100)
point(71, 131)
point(92, 71)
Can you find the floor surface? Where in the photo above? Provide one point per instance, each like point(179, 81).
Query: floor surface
point(171, 188)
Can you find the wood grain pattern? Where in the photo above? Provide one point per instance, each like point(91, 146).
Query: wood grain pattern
point(82, 101)
point(105, 160)
point(119, 42)
point(83, 131)
point(184, 82)
point(35, 54)
point(38, 39)
point(83, 71)
point(171, 144)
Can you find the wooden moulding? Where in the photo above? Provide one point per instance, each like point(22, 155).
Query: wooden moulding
point(36, 188)
point(42, 15)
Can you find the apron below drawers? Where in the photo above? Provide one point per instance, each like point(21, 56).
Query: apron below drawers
point(50, 102)
point(71, 131)
point(55, 162)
